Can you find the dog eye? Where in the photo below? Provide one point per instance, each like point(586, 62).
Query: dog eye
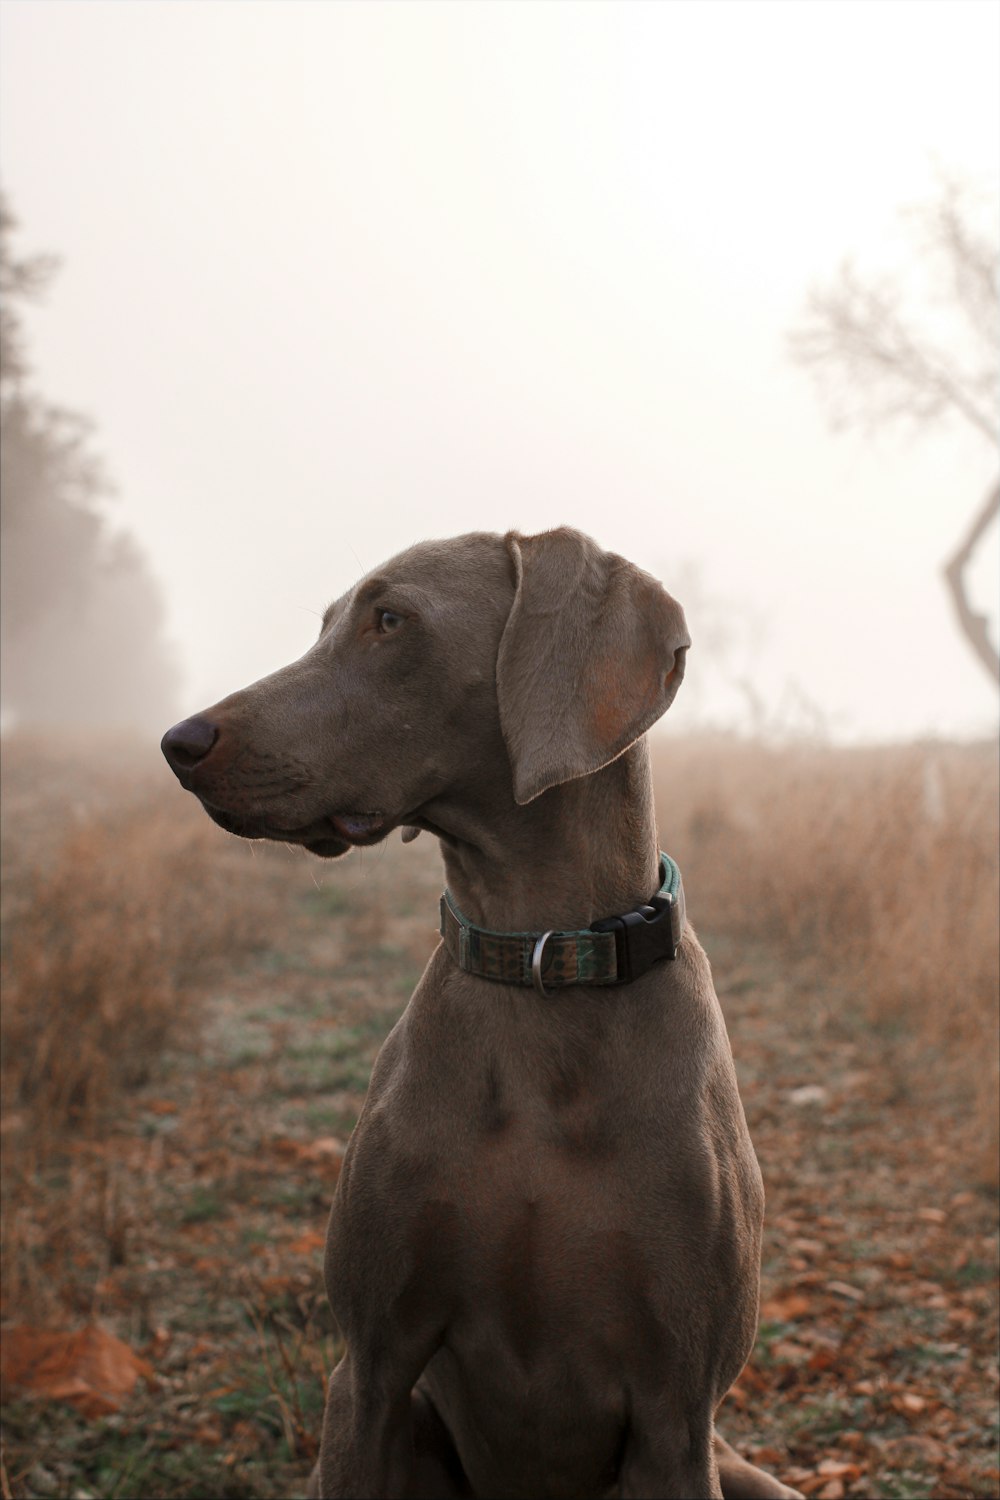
point(387, 621)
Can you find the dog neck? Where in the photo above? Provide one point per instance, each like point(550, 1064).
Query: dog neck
point(590, 845)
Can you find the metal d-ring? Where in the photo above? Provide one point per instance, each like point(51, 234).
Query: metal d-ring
point(536, 966)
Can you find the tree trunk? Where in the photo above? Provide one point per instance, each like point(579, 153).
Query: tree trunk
point(974, 625)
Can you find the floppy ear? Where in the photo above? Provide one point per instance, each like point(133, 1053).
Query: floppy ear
point(592, 654)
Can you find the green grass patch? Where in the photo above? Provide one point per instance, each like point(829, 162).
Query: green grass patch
point(203, 1204)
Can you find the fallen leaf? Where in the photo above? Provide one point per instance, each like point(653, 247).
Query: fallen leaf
point(276, 1286)
point(843, 1289)
point(786, 1307)
point(910, 1402)
point(247, 1437)
point(811, 1484)
point(809, 1093)
point(308, 1243)
point(208, 1434)
point(769, 1457)
point(159, 1341)
point(788, 1352)
point(932, 1215)
point(90, 1369)
point(327, 1148)
point(823, 1359)
point(915, 1448)
point(811, 1248)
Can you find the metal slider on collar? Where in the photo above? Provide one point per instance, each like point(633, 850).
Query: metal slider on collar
point(537, 954)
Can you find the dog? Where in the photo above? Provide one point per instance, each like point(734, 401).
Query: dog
point(544, 1247)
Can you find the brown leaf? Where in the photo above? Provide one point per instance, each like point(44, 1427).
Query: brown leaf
point(823, 1359)
point(810, 1248)
point(770, 1458)
point(308, 1243)
point(328, 1150)
point(276, 1286)
point(786, 1307)
point(246, 1436)
point(909, 1402)
point(844, 1289)
point(91, 1369)
point(806, 1481)
point(788, 1352)
point(915, 1448)
point(208, 1434)
point(751, 1379)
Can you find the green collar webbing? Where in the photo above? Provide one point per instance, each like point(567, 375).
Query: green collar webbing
point(615, 950)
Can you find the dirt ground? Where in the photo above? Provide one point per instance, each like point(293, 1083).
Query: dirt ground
point(190, 1226)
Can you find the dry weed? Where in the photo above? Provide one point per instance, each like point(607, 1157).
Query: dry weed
point(881, 863)
point(100, 961)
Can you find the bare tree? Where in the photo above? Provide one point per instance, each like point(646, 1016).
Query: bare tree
point(920, 350)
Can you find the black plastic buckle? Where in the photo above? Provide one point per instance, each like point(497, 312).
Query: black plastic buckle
point(645, 936)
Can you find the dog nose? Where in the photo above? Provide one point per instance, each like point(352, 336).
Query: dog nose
point(188, 743)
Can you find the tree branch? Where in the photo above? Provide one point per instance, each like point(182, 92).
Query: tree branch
point(974, 625)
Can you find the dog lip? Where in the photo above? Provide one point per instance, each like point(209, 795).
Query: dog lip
point(249, 826)
point(327, 836)
point(360, 828)
point(326, 848)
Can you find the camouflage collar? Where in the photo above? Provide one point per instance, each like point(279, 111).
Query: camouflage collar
point(615, 950)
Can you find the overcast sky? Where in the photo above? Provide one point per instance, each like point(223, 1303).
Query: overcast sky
point(338, 277)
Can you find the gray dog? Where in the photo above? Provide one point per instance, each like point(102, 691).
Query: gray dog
point(545, 1243)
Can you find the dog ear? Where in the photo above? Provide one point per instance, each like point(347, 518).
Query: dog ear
point(592, 654)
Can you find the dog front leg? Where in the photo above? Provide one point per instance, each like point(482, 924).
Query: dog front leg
point(744, 1481)
point(665, 1460)
point(366, 1450)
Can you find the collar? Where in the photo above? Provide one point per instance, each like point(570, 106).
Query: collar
point(614, 950)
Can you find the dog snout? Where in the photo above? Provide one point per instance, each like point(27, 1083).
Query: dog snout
point(188, 743)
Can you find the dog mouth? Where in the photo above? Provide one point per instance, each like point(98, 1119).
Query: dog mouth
point(327, 837)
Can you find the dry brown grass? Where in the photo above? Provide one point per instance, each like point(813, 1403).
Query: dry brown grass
point(118, 907)
point(121, 903)
point(880, 864)
point(100, 964)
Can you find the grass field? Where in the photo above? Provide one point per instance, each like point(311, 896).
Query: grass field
point(189, 1023)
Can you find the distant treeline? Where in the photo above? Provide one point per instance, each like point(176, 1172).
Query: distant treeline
point(82, 639)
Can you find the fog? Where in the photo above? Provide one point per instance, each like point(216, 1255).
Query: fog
point(339, 277)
